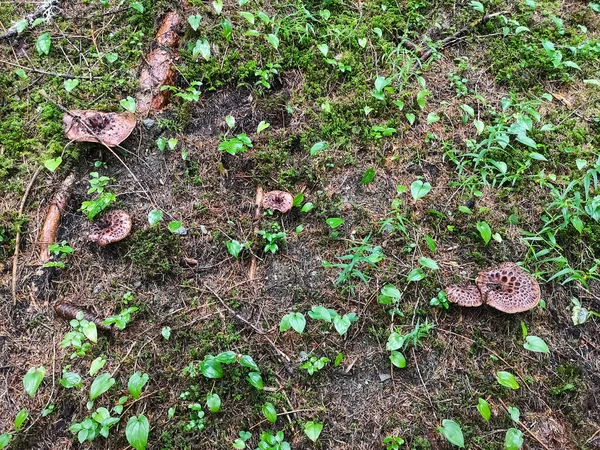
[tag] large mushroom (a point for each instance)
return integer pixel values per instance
(508, 288)
(465, 295)
(112, 227)
(95, 126)
(278, 201)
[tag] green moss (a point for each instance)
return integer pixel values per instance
(155, 252)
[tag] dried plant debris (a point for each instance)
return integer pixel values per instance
(114, 226)
(158, 70)
(50, 228)
(109, 129)
(508, 288)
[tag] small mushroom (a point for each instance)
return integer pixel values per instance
(278, 200)
(465, 295)
(95, 126)
(112, 227)
(509, 288)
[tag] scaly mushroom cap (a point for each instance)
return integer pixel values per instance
(465, 295)
(509, 288)
(112, 227)
(278, 200)
(96, 126)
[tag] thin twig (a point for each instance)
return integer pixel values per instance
(18, 237)
(256, 218)
(531, 433)
(43, 72)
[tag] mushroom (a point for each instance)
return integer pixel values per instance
(113, 227)
(95, 126)
(508, 288)
(278, 200)
(466, 295)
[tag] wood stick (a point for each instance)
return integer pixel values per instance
(18, 237)
(257, 209)
(50, 228)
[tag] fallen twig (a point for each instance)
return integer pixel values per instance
(18, 237)
(69, 311)
(43, 72)
(50, 228)
(257, 205)
(43, 9)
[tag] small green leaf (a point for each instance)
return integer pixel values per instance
(52, 164)
(319, 146)
(211, 368)
(341, 324)
(432, 118)
(362, 42)
(90, 331)
(255, 380)
(20, 418)
(194, 21)
(297, 321)
(202, 48)
(536, 344)
(171, 413)
(452, 432)
(228, 357)
(394, 342)
(484, 409)
(21, 26)
(411, 118)
(269, 412)
(313, 430)
(323, 48)
(111, 57)
(176, 227)
(479, 126)
(213, 402)
(100, 385)
(334, 222)
(155, 216)
(507, 379)
(368, 177)
(138, 7)
(247, 361)
(416, 274)
(166, 333)
(273, 40)
(137, 431)
(513, 439)
(485, 231)
(234, 248)
(136, 383)
(398, 359)
(307, 207)
(128, 104)
(96, 365)
(419, 189)
(429, 263)
(4, 440)
(32, 380)
(70, 380)
(262, 126)
(42, 44)
(320, 313)
(70, 84)
(514, 413)
(477, 6)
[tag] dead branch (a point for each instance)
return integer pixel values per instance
(18, 237)
(50, 228)
(47, 8)
(69, 312)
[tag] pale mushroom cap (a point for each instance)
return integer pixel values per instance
(113, 227)
(96, 126)
(465, 295)
(278, 200)
(509, 288)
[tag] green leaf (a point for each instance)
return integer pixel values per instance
(138, 7)
(262, 126)
(111, 57)
(218, 5)
(4, 440)
(255, 380)
(213, 402)
(248, 16)
(394, 342)
(202, 48)
(320, 313)
(513, 439)
(70, 380)
(429, 263)
(20, 418)
(21, 74)
(228, 357)
(323, 48)
(42, 44)
(247, 361)
(100, 385)
(479, 126)
(137, 431)
(234, 248)
(477, 6)
(484, 409)
(96, 365)
(70, 84)
(411, 118)
(334, 222)
(313, 430)
(398, 359)
(507, 379)
(269, 412)
(32, 380)
(419, 189)
(211, 368)
(416, 275)
(307, 207)
(362, 42)
(273, 40)
(155, 216)
(524, 139)
(536, 344)
(342, 324)
(52, 164)
(90, 331)
(128, 104)
(319, 146)
(537, 156)
(514, 413)
(136, 384)
(166, 333)
(452, 432)
(194, 21)
(432, 118)
(161, 143)
(21, 25)
(176, 227)
(485, 231)
(368, 177)
(297, 321)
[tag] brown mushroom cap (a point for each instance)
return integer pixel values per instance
(465, 295)
(509, 288)
(112, 227)
(95, 126)
(278, 200)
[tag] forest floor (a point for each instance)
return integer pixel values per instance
(415, 162)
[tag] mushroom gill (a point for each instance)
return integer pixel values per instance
(112, 227)
(278, 200)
